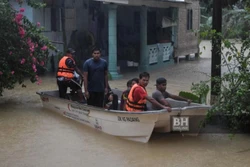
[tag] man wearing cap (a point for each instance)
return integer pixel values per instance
(65, 75)
(138, 96)
(161, 94)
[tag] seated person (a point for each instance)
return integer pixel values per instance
(111, 97)
(124, 95)
(138, 97)
(134, 81)
(161, 94)
(65, 75)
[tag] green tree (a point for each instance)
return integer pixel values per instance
(23, 48)
(233, 104)
(235, 17)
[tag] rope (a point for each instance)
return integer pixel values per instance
(76, 83)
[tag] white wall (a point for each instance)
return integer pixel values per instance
(28, 10)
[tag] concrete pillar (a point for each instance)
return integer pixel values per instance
(112, 36)
(143, 40)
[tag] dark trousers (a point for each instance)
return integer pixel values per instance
(63, 85)
(96, 99)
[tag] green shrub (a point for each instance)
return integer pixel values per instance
(190, 96)
(24, 50)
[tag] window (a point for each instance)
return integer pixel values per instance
(189, 19)
(56, 19)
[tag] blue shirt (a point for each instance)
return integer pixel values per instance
(96, 74)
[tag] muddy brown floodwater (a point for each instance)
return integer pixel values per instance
(31, 136)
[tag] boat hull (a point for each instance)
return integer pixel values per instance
(130, 126)
(195, 113)
(135, 126)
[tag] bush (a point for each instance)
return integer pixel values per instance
(190, 96)
(233, 102)
(23, 48)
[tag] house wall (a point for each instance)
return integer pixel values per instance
(28, 10)
(76, 16)
(187, 40)
(43, 16)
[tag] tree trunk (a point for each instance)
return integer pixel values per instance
(216, 50)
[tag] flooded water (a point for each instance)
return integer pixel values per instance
(31, 136)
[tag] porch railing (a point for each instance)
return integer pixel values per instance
(158, 53)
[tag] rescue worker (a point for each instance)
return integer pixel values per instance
(138, 96)
(65, 75)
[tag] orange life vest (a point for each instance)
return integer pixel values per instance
(132, 105)
(63, 70)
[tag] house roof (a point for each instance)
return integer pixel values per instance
(115, 1)
(150, 3)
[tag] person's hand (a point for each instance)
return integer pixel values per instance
(110, 97)
(86, 94)
(189, 101)
(168, 108)
(106, 91)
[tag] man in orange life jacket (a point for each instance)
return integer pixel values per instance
(138, 97)
(65, 75)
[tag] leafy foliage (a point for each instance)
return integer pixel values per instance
(201, 90)
(235, 18)
(234, 102)
(23, 48)
(190, 96)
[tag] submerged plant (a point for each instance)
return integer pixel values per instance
(201, 90)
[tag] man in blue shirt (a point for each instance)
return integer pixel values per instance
(95, 71)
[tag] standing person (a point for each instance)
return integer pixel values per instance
(95, 71)
(161, 94)
(65, 75)
(138, 96)
(124, 95)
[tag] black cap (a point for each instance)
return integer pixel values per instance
(70, 50)
(161, 81)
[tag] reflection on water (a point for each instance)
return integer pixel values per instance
(32, 136)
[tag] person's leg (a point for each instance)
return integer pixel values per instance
(99, 99)
(62, 89)
(78, 89)
(96, 99)
(91, 99)
(106, 100)
(80, 94)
